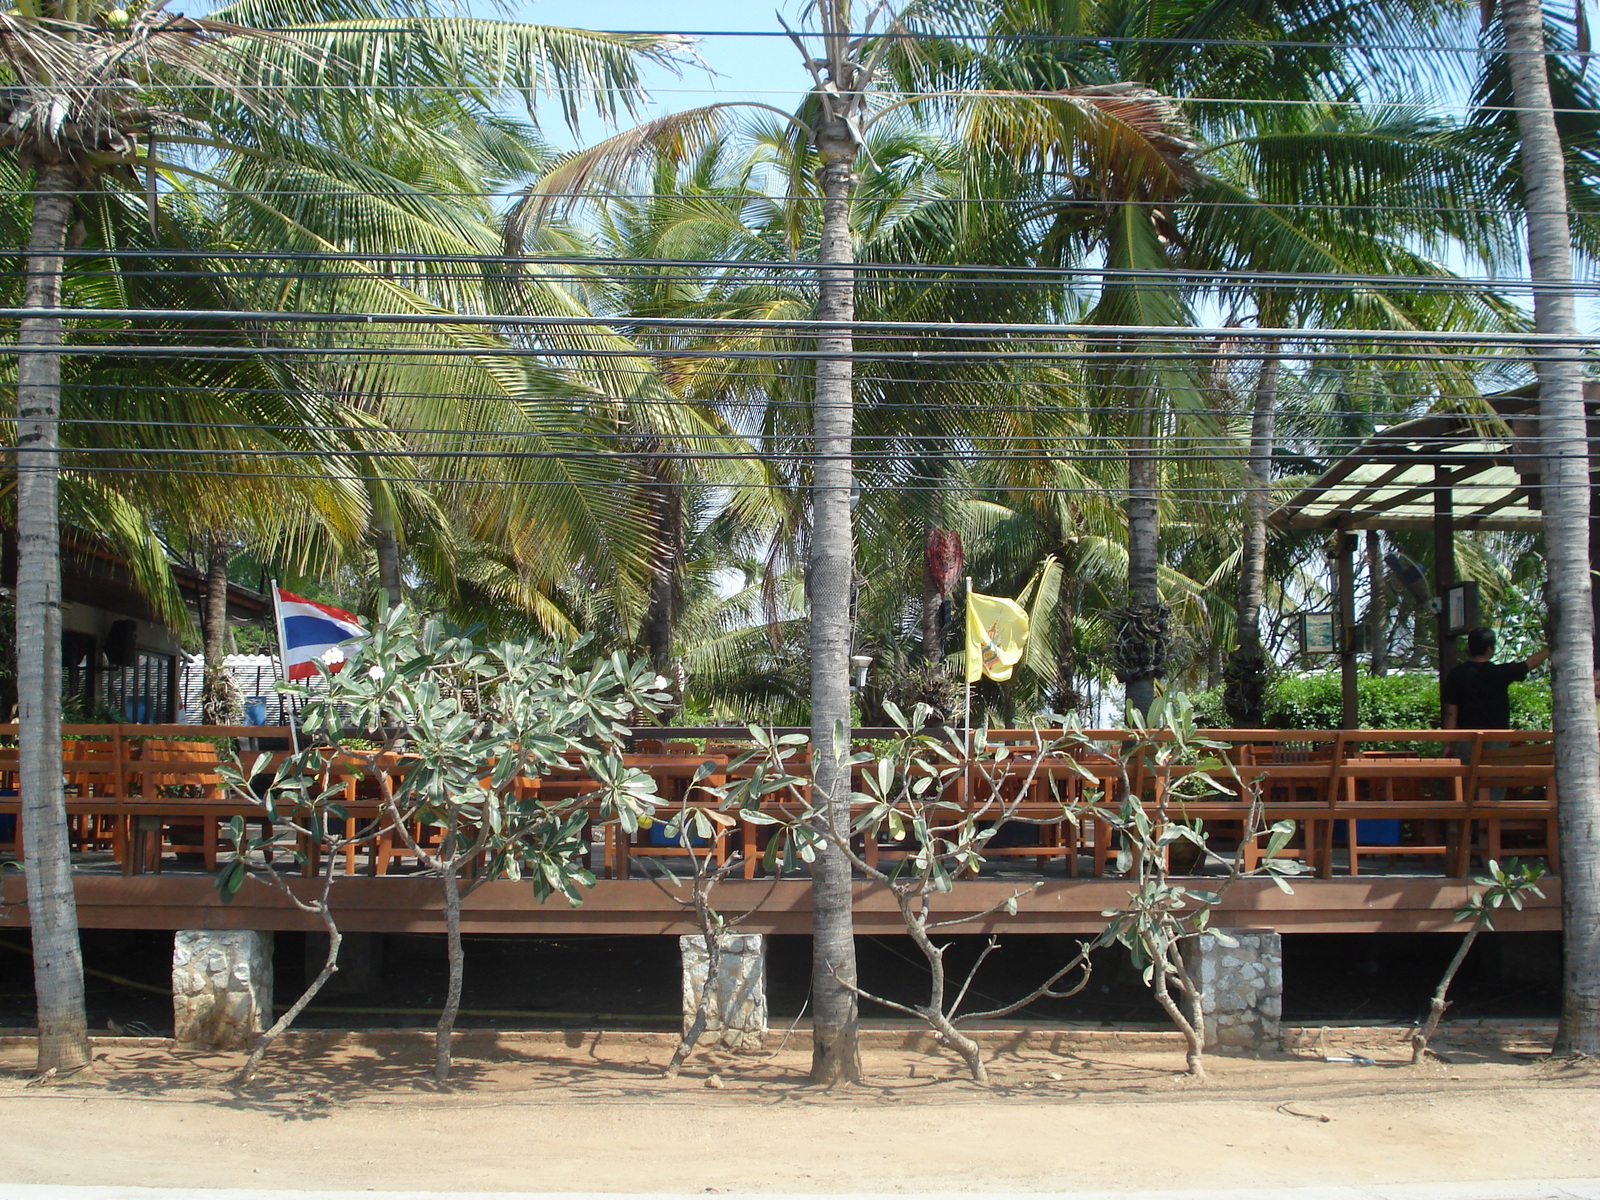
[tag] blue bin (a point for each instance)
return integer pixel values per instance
(657, 836)
(1379, 831)
(1373, 831)
(255, 710)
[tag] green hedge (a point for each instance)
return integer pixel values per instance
(1399, 701)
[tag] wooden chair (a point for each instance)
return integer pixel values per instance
(93, 771)
(1295, 784)
(1383, 788)
(10, 803)
(180, 804)
(675, 783)
(754, 838)
(1101, 844)
(1511, 789)
(1035, 791)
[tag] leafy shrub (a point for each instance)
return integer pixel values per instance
(1313, 701)
(1531, 704)
(1403, 700)
(1209, 710)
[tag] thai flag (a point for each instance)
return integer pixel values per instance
(311, 633)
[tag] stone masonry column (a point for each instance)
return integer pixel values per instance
(1240, 975)
(221, 987)
(736, 1016)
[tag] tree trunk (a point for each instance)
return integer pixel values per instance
(1248, 666)
(52, 906)
(456, 958)
(387, 545)
(330, 965)
(711, 936)
(932, 618)
(835, 1056)
(1144, 529)
(1068, 698)
(665, 507)
(1377, 606)
(1436, 1006)
(1167, 968)
(1565, 506)
(218, 704)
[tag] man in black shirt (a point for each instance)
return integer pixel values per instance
(1474, 695)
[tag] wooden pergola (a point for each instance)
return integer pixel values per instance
(1445, 472)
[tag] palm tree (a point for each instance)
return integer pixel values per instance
(89, 87)
(1396, 185)
(1121, 138)
(1565, 488)
(1284, 50)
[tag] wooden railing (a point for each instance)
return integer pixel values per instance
(138, 790)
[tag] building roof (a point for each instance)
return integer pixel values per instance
(1488, 461)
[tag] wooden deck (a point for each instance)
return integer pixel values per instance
(1419, 800)
(1368, 904)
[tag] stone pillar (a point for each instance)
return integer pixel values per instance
(221, 987)
(1240, 975)
(736, 1014)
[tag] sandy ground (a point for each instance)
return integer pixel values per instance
(593, 1114)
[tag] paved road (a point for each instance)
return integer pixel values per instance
(1543, 1189)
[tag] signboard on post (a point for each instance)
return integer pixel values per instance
(1460, 609)
(1318, 633)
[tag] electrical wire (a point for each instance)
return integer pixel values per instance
(954, 276)
(1084, 39)
(810, 326)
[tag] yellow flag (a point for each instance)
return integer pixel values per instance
(997, 634)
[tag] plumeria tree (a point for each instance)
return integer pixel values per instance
(452, 737)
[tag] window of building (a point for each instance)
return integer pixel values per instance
(143, 693)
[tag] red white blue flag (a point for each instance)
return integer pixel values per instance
(311, 633)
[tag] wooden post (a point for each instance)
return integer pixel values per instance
(1344, 558)
(1444, 564)
(1377, 608)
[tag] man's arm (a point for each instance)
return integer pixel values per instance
(1449, 715)
(1538, 660)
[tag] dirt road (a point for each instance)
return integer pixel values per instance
(592, 1114)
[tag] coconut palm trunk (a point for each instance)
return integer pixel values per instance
(1247, 669)
(664, 511)
(387, 546)
(217, 702)
(1144, 534)
(52, 906)
(1565, 505)
(835, 1057)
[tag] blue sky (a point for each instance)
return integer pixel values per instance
(742, 68)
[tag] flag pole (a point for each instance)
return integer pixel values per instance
(966, 674)
(283, 666)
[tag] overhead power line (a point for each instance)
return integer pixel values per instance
(1038, 38)
(599, 270)
(807, 327)
(351, 356)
